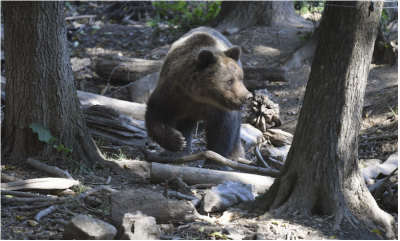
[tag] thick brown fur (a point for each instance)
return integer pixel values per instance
(201, 79)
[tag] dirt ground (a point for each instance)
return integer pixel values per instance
(261, 46)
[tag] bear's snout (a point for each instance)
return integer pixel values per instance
(248, 97)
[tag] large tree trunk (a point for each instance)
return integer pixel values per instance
(321, 174)
(40, 86)
(243, 14)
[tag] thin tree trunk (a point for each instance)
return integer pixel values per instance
(40, 86)
(321, 174)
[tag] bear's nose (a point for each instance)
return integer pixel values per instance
(248, 97)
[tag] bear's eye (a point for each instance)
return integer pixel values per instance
(230, 81)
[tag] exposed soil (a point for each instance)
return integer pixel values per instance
(262, 46)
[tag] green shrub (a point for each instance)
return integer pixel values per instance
(181, 16)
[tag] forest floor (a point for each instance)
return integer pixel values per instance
(261, 46)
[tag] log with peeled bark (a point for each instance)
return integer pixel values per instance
(191, 176)
(134, 110)
(40, 183)
(111, 66)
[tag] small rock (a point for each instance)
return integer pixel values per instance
(83, 227)
(231, 31)
(227, 194)
(250, 136)
(144, 227)
(279, 153)
(32, 223)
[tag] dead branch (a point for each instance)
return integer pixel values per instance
(94, 190)
(79, 17)
(8, 200)
(52, 170)
(191, 176)
(40, 183)
(22, 194)
(213, 156)
(7, 178)
(245, 161)
(195, 201)
(389, 136)
(260, 158)
(385, 186)
(24, 208)
(44, 212)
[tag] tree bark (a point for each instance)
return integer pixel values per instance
(243, 14)
(321, 174)
(40, 86)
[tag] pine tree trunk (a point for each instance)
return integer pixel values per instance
(245, 14)
(321, 174)
(40, 86)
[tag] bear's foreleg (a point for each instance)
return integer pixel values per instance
(222, 134)
(161, 130)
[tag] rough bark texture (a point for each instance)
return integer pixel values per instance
(243, 14)
(321, 174)
(40, 86)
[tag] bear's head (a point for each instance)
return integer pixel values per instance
(221, 79)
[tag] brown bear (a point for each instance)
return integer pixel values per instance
(201, 79)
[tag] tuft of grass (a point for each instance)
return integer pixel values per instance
(121, 154)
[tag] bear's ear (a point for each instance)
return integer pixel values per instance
(234, 53)
(205, 58)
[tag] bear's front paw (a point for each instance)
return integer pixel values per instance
(176, 142)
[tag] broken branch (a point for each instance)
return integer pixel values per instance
(213, 156)
(55, 171)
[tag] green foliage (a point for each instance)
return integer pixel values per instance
(181, 16)
(79, 168)
(303, 7)
(43, 132)
(120, 155)
(306, 36)
(384, 18)
(44, 135)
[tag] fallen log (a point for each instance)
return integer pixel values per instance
(55, 171)
(111, 66)
(115, 67)
(40, 183)
(213, 156)
(257, 77)
(191, 176)
(134, 110)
